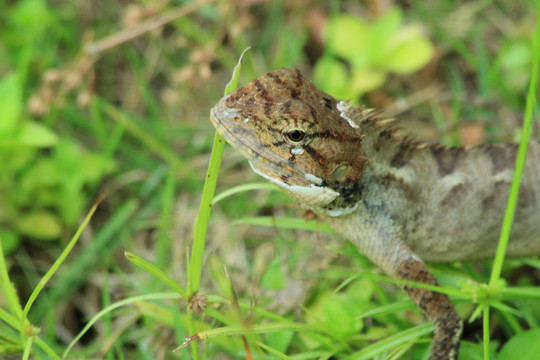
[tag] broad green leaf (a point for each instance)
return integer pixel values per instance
(347, 36)
(279, 341)
(331, 76)
(31, 15)
(35, 135)
(524, 346)
(40, 225)
(341, 312)
(383, 30)
(411, 52)
(9, 240)
(366, 79)
(273, 278)
(10, 105)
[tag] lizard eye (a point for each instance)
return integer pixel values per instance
(296, 135)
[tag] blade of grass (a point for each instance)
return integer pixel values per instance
(201, 225)
(390, 342)
(163, 239)
(27, 348)
(106, 239)
(48, 275)
(156, 272)
(520, 161)
(131, 300)
(242, 188)
(7, 287)
(516, 181)
(287, 223)
(485, 325)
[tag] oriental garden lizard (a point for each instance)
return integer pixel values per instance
(401, 201)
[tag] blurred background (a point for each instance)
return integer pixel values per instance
(113, 97)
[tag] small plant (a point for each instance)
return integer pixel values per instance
(360, 55)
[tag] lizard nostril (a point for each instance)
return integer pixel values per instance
(296, 135)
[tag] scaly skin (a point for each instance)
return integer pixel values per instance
(400, 201)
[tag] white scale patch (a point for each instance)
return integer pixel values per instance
(314, 179)
(297, 151)
(342, 211)
(342, 106)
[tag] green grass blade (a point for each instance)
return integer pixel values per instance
(7, 287)
(390, 342)
(287, 223)
(197, 252)
(485, 325)
(131, 300)
(242, 188)
(104, 240)
(520, 161)
(156, 272)
(48, 275)
(27, 348)
(201, 224)
(45, 347)
(516, 181)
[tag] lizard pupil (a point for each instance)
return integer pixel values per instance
(296, 135)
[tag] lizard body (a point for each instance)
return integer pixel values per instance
(400, 201)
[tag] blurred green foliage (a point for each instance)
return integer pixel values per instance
(44, 178)
(131, 120)
(360, 54)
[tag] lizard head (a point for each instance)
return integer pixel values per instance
(295, 136)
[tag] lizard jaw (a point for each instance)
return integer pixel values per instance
(309, 196)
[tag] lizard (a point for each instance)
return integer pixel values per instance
(401, 201)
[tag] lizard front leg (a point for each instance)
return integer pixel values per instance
(379, 240)
(437, 307)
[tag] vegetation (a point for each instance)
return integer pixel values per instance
(104, 149)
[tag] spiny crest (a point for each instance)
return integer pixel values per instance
(381, 133)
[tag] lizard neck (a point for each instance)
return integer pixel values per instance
(388, 153)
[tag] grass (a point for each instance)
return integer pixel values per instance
(132, 122)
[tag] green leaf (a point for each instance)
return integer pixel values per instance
(31, 15)
(273, 278)
(40, 225)
(341, 312)
(331, 76)
(9, 240)
(10, 105)
(410, 53)
(35, 135)
(366, 79)
(524, 346)
(384, 29)
(347, 36)
(279, 341)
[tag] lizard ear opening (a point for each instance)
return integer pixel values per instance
(340, 171)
